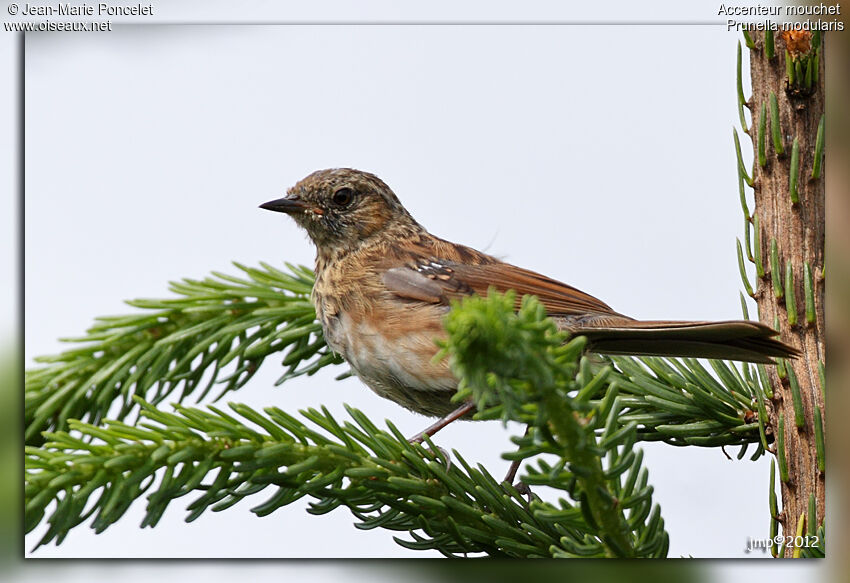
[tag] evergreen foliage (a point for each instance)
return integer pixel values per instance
(180, 343)
(585, 415)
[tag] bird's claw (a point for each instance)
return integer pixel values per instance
(524, 490)
(419, 439)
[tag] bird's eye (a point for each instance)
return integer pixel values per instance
(343, 197)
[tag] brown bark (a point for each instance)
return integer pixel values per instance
(798, 229)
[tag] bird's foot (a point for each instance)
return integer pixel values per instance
(524, 490)
(519, 486)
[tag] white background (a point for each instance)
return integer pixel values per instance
(599, 155)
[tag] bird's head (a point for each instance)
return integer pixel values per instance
(341, 207)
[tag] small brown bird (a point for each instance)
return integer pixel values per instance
(384, 284)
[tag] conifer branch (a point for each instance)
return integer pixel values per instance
(381, 477)
(519, 363)
(219, 330)
(587, 411)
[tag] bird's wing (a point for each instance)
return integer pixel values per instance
(455, 271)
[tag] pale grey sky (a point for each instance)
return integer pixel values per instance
(599, 155)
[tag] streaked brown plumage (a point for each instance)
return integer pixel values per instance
(383, 285)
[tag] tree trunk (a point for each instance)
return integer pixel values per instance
(788, 249)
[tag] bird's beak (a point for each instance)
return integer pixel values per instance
(289, 205)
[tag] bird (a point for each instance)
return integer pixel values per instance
(384, 284)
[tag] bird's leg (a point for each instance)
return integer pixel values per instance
(509, 478)
(453, 416)
(512, 471)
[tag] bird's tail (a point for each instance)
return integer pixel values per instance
(729, 340)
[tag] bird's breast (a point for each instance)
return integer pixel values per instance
(391, 346)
